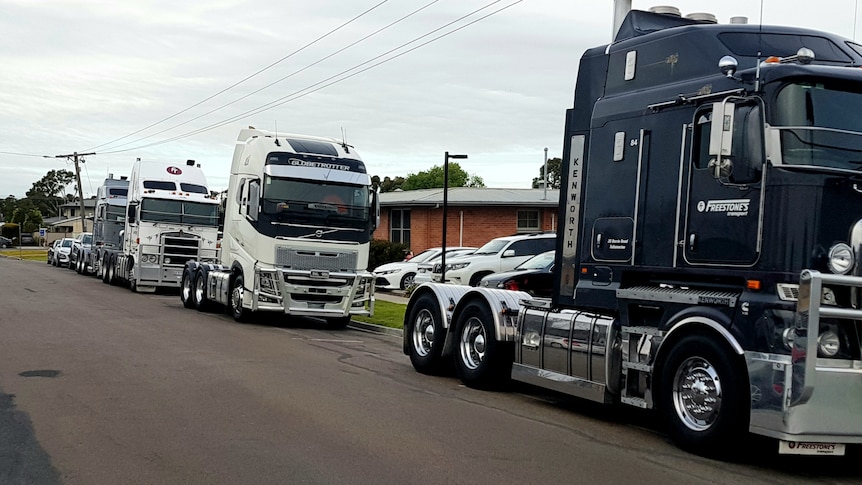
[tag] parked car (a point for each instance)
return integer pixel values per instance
(399, 274)
(61, 252)
(79, 244)
(535, 276)
(52, 248)
(5, 242)
(425, 270)
(497, 255)
(27, 240)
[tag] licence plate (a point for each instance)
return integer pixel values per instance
(810, 448)
(178, 273)
(319, 274)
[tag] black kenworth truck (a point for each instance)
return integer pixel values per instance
(708, 253)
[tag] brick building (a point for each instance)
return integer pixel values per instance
(476, 215)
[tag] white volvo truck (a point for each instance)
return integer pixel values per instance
(298, 222)
(170, 218)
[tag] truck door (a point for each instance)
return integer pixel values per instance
(722, 218)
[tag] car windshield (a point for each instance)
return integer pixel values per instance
(492, 247)
(539, 261)
(67, 243)
(87, 239)
(426, 255)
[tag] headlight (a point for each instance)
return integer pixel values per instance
(457, 266)
(388, 271)
(828, 344)
(841, 259)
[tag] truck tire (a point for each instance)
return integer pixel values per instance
(187, 288)
(703, 395)
(407, 281)
(79, 265)
(106, 261)
(338, 323)
(237, 288)
(199, 295)
(111, 270)
(480, 360)
(425, 335)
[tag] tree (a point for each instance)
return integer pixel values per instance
(49, 192)
(555, 166)
(433, 178)
(29, 218)
(387, 184)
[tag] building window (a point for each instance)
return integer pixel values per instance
(399, 226)
(528, 221)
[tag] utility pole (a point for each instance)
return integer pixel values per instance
(74, 156)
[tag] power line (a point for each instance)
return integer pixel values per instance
(323, 84)
(244, 79)
(282, 79)
(21, 154)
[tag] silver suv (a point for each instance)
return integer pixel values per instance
(497, 255)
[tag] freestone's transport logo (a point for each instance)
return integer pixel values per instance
(730, 207)
(174, 170)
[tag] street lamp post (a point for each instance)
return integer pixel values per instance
(446, 209)
(546, 175)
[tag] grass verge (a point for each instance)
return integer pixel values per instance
(28, 254)
(386, 313)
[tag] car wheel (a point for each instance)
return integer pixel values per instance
(701, 397)
(407, 280)
(186, 288)
(476, 278)
(237, 288)
(481, 361)
(425, 335)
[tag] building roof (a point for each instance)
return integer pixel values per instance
(88, 204)
(472, 196)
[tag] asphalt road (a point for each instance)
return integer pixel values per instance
(102, 386)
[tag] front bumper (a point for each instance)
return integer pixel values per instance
(314, 294)
(813, 398)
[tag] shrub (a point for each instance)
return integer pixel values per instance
(383, 252)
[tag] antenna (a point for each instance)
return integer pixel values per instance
(276, 134)
(759, 48)
(855, 19)
(344, 140)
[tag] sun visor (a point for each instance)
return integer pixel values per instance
(638, 23)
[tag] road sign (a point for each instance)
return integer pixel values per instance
(42, 232)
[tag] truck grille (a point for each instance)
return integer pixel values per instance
(180, 248)
(305, 260)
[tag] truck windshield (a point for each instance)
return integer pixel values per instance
(316, 203)
(179, 212)
(819, 125)
(116, 213)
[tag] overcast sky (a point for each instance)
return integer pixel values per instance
(77, 75)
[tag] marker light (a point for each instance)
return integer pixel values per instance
(828, 344)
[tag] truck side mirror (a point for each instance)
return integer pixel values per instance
(253, 199)
(375, 207)
(721, 138)
(131, 212)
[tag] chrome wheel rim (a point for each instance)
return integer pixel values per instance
(408, 281)
(236, 299)
(697, 394)
(187, 287)
(423, 333)
(199, 289)
(472, 343)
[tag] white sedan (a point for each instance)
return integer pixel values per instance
(399, 275)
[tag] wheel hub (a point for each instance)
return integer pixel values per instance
(423, 333)
(697, 394)
(472, 343)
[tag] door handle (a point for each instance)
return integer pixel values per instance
(599, 240)
(691, 240)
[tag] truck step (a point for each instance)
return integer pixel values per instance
(637, 402)
(678, 295)
(637, 366)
